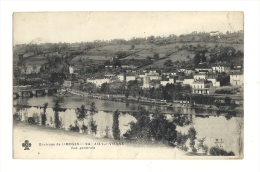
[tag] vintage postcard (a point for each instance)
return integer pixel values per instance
(128, 85)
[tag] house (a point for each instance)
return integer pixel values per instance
(214, 81)
(29, 69)
(204, 69)
(121, 77)
(237, 78)
(146, 82)
(200, 76)
(130, 78)
(220, 69)
(167, 81)
(109, 75)
(153, 75)
(202, 86)
(99, 82)
(67, 84)
(189, 72)
(71, 69)
(215, 33)
(187, 81)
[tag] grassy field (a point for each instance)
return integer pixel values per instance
(85, 57)
(177, 56)
(139, 52)
(37, 59)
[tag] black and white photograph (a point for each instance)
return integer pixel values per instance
(128, 85)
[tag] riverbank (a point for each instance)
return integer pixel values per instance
(49, 142)
(120, 98)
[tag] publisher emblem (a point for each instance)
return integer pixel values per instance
(26, 145)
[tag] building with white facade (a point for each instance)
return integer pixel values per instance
(29, 69)
(214, 81)
(146, 82)
(188, 81)
(202, 87)
(204, 69)
(220, 69)
(121, 77)
(237, 78)
(167, 81)
(71, 69)
(130, 78)
(200, 76)
(99, 82)
(153, 75)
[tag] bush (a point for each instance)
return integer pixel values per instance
(216, 151)
(157, 128)
(84, 127)
(194, 150)
(75, 127)
(31, 120)
(17, 117)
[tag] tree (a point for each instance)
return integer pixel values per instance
(181, 141)
(56, 110)
(81, 114)
(120, 54)
(44, 118)
(202, 146)
(156, 56)
(105, 88)
(196, 59)
(192, 136)
(115, 127)
(89, 87)
(116, 62)
(203, 57)
(167, 63)
(151, 39)
(132, 46)
(162, 130)
(21, 107)
(92, 123)
(57, 78)
(140, 129)
(148, 57)
(227, 100)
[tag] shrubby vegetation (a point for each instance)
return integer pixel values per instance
(155, 128)
(216, 151)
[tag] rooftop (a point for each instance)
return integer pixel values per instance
(201, 81)
(236, 73)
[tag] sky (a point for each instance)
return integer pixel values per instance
(88, 26)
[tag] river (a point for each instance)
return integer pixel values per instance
(208, 124)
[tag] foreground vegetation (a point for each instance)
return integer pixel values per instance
(155, 128)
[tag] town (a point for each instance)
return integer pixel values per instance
(196, 68)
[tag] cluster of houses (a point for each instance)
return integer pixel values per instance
(30, 69)
(201, 80)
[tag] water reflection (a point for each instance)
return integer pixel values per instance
(210, 124)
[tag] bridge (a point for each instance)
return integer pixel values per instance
(20, 91)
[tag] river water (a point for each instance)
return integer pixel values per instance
(208, 124)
